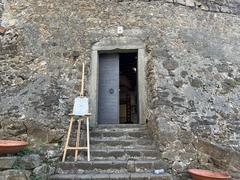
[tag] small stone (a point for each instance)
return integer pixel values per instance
(184, 74)
(182, 2)
(225, 9)
(190, 3)
(170, 64)
(41, 171)
(196, 82)
(2, 30)
(7, 162)
(55, 136)
(163, 94)
(169, 1)
(51, 170)
(203, 158)
(52, 154)
(178, 84)
(30, 161)
(169, 155)
(177, 99)
(38, 133)
(131, 166)
(179, 166)
(205, 8)
(223, 68)
(75, 54)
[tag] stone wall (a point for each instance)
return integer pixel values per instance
(193, 68)
(219, 6)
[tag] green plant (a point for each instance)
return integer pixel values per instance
(20, 154)
(35, 177)
(231, 82)
(16, 164)
(23, 152)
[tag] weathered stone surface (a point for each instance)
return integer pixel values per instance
(30, 161)
(14, 175)
(51, 154)
(190, 3)
(7, 162)
(182, 2)
(196, 82)
(41, 133)
(41, 172)
(170, 64)
(178, 83)
(2, 30)
(192, 67)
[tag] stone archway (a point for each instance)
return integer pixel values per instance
(118, 44)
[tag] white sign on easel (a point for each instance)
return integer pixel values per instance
(80, 107)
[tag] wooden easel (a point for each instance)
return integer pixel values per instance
(80, 119)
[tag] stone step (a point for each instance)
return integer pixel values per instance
(119, 134)
(120, 126)
(110, 166)
(140, 129)
(117, 154)
(124, 151)
(124, 154)
(113, 138)
(113, 176)
(122, 143)
(123, 130)
(100, 147)
(116, 136)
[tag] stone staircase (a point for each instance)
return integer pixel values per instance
(117, 152)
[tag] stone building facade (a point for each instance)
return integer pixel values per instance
(192, 71)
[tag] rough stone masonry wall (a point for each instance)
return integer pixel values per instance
(193, 71)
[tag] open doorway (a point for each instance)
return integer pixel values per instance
(118, 88)
(128, 88)
(116, 45)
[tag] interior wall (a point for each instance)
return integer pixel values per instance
(128, 88)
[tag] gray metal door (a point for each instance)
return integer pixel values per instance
(108, 98)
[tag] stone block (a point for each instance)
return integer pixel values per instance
(190, 3)
(7, 162)
(119, 164)
(120, 176)
(30, 161)
(182, 2)
(178, 83)
(38, 133)
(99, 176)
(170, 64)
(104, 165)
(219, 155)
(170, 1)
(195, 82)
(131, 166)
(14, 175)
(2, 30)
(41, 171)
(55, 136)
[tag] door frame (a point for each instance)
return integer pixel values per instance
(117, 45)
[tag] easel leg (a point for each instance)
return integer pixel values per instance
(88, 140)
(78, 138)
(68, 137)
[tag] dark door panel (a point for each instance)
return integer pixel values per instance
(108, 99)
